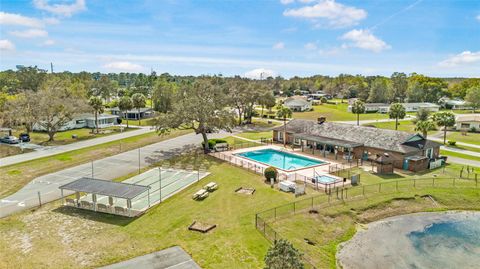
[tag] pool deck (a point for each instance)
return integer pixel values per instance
(291, 175)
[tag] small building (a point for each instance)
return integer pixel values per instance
(468, 122)
(383, 164)
(385, 108)
(298, 104)
(347, 141)
(454, 104)
(134, 114)
(85, 121)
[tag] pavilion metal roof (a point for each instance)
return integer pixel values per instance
(105, 187)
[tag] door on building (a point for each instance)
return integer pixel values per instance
(405, 164)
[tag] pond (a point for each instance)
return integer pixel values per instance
(422, 240)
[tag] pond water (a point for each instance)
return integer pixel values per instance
(423, 240)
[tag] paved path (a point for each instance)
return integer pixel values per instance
(457, 143)
(462, 151)
(463, 161)
(170, 258)
(49, 151)
(108, 168)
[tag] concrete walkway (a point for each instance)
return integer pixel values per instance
(108, 168)
(49, 151)
(463, 161)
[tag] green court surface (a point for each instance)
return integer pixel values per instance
(163, 183)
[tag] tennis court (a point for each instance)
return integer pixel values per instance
(162, 183)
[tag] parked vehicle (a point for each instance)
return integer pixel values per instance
(24, 137)
(9, 139)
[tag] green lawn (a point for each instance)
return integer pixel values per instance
(144, 122)
(459, 155)
(336, 112)
(7, 150)
(16, 176)
(65, 137)
(470, 138)
(404, 125)
(67, 238)
(256, 135)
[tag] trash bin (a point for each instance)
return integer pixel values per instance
(74, 136)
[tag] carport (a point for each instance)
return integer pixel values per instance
(101, 195)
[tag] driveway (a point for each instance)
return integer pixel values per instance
(52, 150)
(108, 168)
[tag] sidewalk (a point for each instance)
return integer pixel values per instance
(108, 168)
(49, 151)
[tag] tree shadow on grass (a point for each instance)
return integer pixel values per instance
(95, 216)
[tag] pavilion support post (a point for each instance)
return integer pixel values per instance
(148, 193)
(94, 201)
(324, 148)
(110, 200)
(77, 196)
(63, 198)
(129, 207)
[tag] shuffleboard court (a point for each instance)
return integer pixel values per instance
(163, 183)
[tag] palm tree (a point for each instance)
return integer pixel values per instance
(97, 106)
(424, 126)
(139, 101)
(397, 111)
(358, 108)
(124, 105)
(445, 119)
(284, 113)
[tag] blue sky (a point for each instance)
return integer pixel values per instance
(244, 37)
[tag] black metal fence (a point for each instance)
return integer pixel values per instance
(342, 195)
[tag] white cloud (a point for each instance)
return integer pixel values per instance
(6, 45)
(364, 39)
(48, 42)
(310, 46)
(278, 46)
(464, 58)
(336, 14)
(478, 17)
(124, 66)
(17, 19)
(260, 73)
(65, 10)
(286, 2)
(51, 21)
(30, 33)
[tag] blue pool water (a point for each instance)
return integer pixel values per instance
(280, 159)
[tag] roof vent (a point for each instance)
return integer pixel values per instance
(321, 120)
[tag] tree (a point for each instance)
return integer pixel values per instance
(31, 77)
(473, 97)
(124, 105)
(22, 110)
(396, 111)
(445, 119)
(425, 89)
(424, 126)
(163, 94)
(358, 108)
(422, 114)
(267, 100)
(97, 105)
(399, 87)
(379, 90)
(200, 106)
(139, 101)
(282, 255)
(56, 105)
(284, 113)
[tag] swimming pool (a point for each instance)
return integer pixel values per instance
(279, 159)
(324, 179)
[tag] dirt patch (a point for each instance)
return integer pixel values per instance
(201, 227)
(395, 207)
(248, 191)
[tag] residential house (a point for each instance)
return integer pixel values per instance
(298, 103)
(410, 152)
(409, 107)
(454, 104)
(85, 121)
(134, 114)
(468, 122)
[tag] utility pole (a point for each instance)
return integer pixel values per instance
(51, 67)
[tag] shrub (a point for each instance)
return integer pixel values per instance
(473, 129)
(271, 172)
(283, 255)
(323, 100)
(214, 141)
(452, 143)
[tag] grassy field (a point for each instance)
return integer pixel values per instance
(339, 223)
(57, 237)
(16, 176)
(7, 150)
(470, 138)
(65, 137)
(336, 112)
(404, 125)
(256, 135)
(459, 155)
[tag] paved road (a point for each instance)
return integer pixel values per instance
(463, 161)
(170, 258)
(108, 168)
(49, 151)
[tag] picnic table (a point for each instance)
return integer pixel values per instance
(201, 194)
(211, 186)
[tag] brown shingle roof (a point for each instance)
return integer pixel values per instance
(368, 136)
